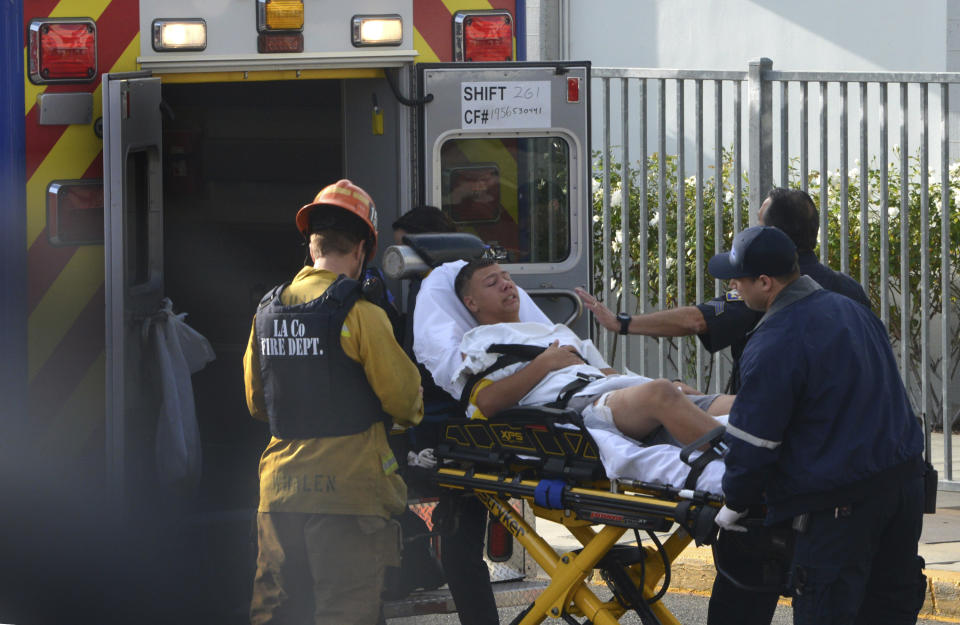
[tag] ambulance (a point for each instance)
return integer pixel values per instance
(160, 154)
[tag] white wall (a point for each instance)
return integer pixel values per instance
(817, 35)
(838, 35)
(533, 29)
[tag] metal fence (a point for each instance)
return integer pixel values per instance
(884, 221)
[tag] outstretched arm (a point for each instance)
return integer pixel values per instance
(684, 321)
(508, 391)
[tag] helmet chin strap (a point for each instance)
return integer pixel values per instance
(363, 264)
(307, 257)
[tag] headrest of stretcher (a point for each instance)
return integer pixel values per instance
(436, 249)
(423, 252)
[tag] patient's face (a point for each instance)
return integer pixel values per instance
(491, 296)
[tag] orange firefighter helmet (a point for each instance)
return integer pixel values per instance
(345, 195)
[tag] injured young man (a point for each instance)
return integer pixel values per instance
(643, 409)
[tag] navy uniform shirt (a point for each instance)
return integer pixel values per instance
(729, 320)
(822, 417)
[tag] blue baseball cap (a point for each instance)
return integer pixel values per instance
(760, 250)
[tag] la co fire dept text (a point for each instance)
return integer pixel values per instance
(289, 341)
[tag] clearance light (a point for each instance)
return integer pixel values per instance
(268, 43)
(187, 34)
(75, 212)
(483, 36)
(499, 542)
(573, 89)
(274, 15)
(62, 50)
(377, 30)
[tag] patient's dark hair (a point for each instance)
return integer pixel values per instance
(467, 271)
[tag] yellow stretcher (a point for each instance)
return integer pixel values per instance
(536, 455)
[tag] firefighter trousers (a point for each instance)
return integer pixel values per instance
(321, 568)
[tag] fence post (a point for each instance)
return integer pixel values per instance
(760, 134)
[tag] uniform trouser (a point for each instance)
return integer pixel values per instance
(730, 605)
(467, 574)
(321, 568)
(859, 564)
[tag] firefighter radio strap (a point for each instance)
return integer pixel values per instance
(311, 388)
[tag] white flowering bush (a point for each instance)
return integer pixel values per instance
(652, 224)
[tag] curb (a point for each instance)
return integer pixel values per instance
(693, 573)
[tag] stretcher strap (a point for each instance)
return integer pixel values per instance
(549, 494)
(716, 451)
(568, 391)
(697, 466)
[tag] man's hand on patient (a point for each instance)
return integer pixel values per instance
(727, 519)
(557, 357)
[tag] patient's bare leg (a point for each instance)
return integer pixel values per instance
(721, 405)
(638, 410)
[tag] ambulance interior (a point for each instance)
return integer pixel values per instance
(238, 160)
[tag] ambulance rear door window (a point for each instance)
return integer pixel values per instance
(512, 192)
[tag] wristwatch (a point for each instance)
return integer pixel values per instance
(624, 320)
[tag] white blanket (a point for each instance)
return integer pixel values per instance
(442, 332)
(624, 457)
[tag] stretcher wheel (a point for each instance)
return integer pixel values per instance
(614, 571)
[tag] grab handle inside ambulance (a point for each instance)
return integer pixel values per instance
(577, 311)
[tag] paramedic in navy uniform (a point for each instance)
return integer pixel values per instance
(726, 321)
(822, 430)
(323, 367)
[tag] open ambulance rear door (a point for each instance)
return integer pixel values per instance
(133, 246)
(505, 153)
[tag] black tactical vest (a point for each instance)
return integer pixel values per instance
(311, 388)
